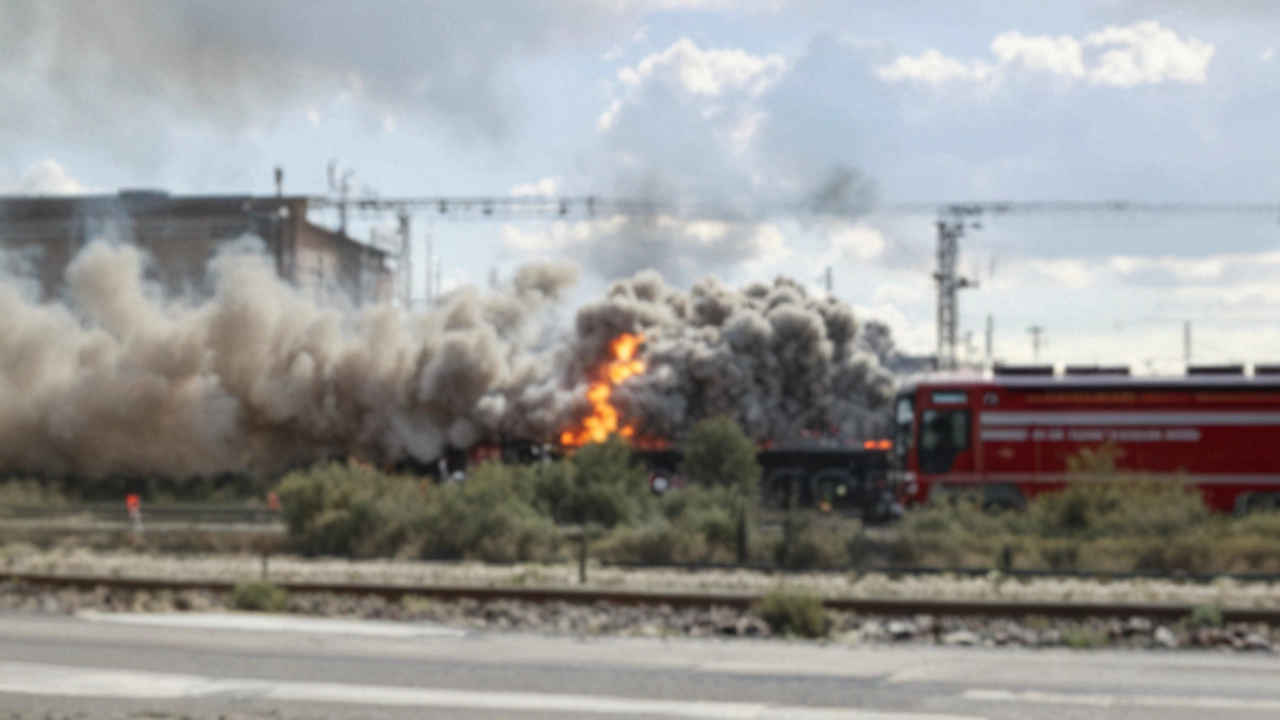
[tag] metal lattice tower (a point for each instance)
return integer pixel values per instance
(950, 230)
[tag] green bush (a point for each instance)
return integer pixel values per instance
(349, 509)
(489, 516)
(718, 453)
(605, 486)
(793, 612)
(260, 596)
(1119, 508)
(338, 509)
(808, 545)
(14, 491)
(1205, 616)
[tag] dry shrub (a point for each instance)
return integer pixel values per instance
(794, 612)
(260, 596)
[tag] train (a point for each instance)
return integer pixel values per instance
(827, 475)
(1017, 432)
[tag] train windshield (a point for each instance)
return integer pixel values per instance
(904, 430)
(944, 434)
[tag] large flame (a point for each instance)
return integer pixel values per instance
(604, 419)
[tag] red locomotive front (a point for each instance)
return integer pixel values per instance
(1012, 436)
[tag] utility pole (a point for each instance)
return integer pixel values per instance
(1186, 342)
(430, 291)
(404, 268)
(950, 230)
(438, 283)
(829, 281)
(1036, 331)
(991, 331)
(340, 185)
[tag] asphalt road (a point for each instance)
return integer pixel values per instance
(264, 666)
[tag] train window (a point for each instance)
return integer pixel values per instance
(944, 434)
(950, 397)
(903, 429)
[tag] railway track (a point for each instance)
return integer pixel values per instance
(870, 606)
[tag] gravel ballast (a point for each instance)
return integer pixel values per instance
(656, 620)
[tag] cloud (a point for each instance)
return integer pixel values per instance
(711, 73)
(1220, 270)
(1145, 53)
(45, 177)
(123, 76)
(1070, 273)
(682, 250)
(545, 187)
(933, 68)
(851, 243)
(694, 123)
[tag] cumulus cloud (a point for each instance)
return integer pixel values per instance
(692, 127)
(851, 243)
(45, 177)
(544, 187)
(931, 67)
(1146, 53)
(709, 73)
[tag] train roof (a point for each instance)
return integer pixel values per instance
(1086, 381)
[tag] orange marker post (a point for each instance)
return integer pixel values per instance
(133, 504)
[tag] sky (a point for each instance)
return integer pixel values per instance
(806, 124)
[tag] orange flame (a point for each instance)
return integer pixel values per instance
(604, 420)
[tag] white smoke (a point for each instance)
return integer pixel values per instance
(119, 380)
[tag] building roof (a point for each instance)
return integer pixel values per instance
(152, 203)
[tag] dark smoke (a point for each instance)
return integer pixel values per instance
(773, 357)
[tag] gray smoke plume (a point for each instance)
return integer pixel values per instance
(255, 377)
(773, 357)
(120, 380)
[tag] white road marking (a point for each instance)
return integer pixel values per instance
(276, 623)
(1208, 702)
(62, 681)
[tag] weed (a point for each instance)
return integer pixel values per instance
(794, 612)
(1084, 638)
(260, 596)
(1205, 615)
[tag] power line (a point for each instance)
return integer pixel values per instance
(503, 207)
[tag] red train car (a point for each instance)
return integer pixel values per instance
(1012, 435)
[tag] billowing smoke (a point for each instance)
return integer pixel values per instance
(777, 359)
(119, 380)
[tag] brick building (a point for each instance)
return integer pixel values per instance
(181, 233)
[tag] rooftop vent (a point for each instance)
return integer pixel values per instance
(1024, 370)
(1096, 370)
(1215, 369)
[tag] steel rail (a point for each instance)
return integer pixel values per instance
(589, 596)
